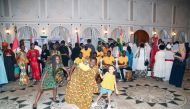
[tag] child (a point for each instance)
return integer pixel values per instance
(107, 86)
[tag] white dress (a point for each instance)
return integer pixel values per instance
(159, 66)
(141, 59)
(169, 57)
(134, 50)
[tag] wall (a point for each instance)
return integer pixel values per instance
(130, 15)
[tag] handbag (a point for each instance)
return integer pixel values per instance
(16, 71)
(146, 62)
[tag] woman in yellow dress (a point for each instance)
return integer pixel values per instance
(82, 85)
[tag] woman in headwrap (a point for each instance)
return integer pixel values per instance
(33, 55)
(9, 61)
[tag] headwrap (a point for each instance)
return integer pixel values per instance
(4, 44)
(168, 46)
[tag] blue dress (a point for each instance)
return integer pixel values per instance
(130, 59)
(177, 73)
(3, 75)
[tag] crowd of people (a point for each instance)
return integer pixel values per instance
(55, 63)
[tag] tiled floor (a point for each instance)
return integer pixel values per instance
(139, 94)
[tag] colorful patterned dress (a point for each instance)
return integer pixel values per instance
(80, 88)
(48, 79)
(22, 63)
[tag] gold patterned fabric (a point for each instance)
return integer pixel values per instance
(80, 88)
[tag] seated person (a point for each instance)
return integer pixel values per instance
(100, 53)
(108, 60)
(86, 52)
(122, 63)
(79, 59)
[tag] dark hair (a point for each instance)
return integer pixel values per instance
(88, 40)
(142, 45)
(76, 44)
(35, 43)
(162, 47)
(31, 44)
(129, 49)
(63, 42)
(109, 51)
(11, 44)
(21, 41)
(114, 69)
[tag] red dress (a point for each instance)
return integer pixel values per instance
(153, 51)
(34, 64)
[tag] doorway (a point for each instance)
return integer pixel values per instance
(141, 36)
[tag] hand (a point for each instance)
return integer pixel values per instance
(68, 78)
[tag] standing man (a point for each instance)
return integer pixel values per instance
(89, 45)
(64, 53)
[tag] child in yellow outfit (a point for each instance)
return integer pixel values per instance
(108, 85)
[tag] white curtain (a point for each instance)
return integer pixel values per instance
(91, 33)
(60, 33)
(115, 34)
(165, 36)
(182, 37)
(25, 32)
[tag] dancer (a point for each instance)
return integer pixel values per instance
(48, 78)
(82, 85)
(108, 85)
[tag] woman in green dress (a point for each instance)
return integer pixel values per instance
(51, 78)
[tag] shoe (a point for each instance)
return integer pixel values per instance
(94, 104)
(34, 106)
(120, 80)
(109, 107)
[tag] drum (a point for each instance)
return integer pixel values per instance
(59, 75)
(128, 75)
